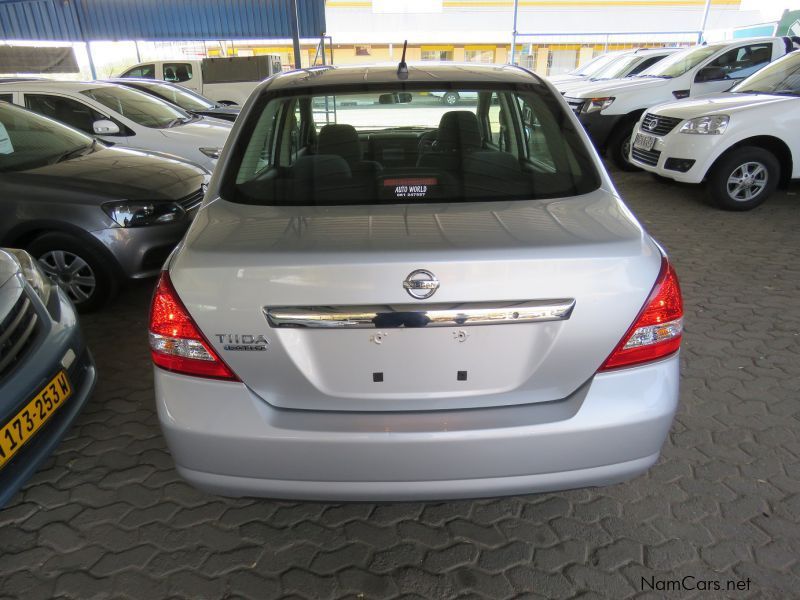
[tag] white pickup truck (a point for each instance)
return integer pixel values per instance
(609, 110)
(225, 80)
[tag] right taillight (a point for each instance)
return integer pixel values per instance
(176, 343)
(657, 330)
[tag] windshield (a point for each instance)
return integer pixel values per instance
(138, 106)
(677, 64)
(175, 94)
(781, 77)
(392, 147)
(617, 68)
(28, 140)
(594, 65)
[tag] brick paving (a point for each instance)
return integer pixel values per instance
(108, 516)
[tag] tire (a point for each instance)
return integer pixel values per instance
(756, 169)
(619, 147)
(450, 99)
(80, 270)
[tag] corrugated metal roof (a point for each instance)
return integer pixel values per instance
(79, 20)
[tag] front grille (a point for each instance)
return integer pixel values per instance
(191, 201)
(648, 157)
(658, 125)
(17, 333)
(576, 104)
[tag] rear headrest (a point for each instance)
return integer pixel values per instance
(459, 129)
(322, 167)
(341, 140)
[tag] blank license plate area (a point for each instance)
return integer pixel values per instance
(418, 363)
(644, 142)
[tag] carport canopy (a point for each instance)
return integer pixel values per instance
(158, 20)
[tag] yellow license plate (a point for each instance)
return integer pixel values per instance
(24, 425)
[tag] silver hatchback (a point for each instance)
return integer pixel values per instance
(390, 299)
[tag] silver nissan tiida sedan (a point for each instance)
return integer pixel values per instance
(384, 298)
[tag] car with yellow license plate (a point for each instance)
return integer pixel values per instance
(46, 371)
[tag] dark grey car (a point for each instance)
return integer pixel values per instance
(92, 215)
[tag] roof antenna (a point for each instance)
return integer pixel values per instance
(402, 68)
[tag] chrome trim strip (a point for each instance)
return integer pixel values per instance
(414, 315)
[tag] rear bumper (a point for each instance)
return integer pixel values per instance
(226, 440)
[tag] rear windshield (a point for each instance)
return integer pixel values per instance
(400, 146)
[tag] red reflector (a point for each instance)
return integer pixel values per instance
(658, 328)
(176, 343)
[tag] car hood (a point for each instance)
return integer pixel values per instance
(725, 102)
(116, 173)
(612, 87)
(204, 131)
(566, 78)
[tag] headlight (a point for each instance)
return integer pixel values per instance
(710, 125)
(211, 152)
(138, 214)
(595, 104)
(32, 273)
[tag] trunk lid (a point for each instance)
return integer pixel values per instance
(238, 261)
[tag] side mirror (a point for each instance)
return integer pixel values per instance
(105, 127)
(710, 74)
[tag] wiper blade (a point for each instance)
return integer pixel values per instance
(178, 121)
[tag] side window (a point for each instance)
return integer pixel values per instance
(536, 141)
(143, 71)
(66, 110)
(645, 64)
(739, 63)
(6, 98)
(177, 72)
(260, 150)
(498, 127)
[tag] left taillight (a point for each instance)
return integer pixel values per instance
(657, 330)
(176, 343)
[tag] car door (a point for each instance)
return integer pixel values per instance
(725, 70)
(72, 112)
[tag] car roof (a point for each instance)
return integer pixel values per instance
(125, 80)
(425, 72)
(649, 51)
(54, 84)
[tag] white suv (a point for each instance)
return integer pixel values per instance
(609, 110)
(743, 142)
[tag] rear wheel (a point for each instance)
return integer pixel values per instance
(450, 98)
(744, 178)
(80, 270)
(619, 147)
